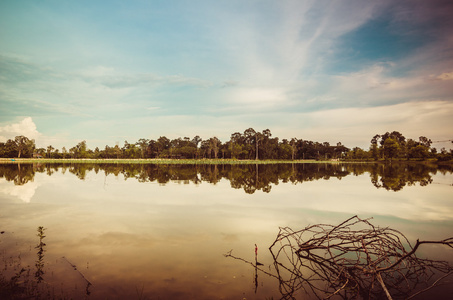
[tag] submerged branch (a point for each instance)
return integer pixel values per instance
(354, 259)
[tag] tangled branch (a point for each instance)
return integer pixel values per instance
(352, 259)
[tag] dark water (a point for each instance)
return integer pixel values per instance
(133, 231)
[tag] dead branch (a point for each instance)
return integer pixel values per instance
(354, 259)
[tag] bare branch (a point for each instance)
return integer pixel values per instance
(354, 259)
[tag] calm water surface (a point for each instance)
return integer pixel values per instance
(160, 232)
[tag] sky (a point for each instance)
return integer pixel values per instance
(329, 71)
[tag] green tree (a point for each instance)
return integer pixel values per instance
(258, 138)
(391, 148)
(163, 146)
(64, 152)
(9, 149)
(236, 145)
(143, 145)
(215, 145)
(24, 146)
(293, 148)
(420, 152)
(49, 151)
(285, 150)
(82, 149)
(425, 141)
(374, 150)
(130, 151)
(249, 141)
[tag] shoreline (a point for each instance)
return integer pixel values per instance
(157, 161)
(195, 161)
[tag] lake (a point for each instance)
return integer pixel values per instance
(146, 231)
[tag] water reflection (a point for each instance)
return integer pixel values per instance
(159, 231)
(250, 178)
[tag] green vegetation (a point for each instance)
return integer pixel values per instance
(20, 280)
(23, 281)
(157, 161)
(249, 146)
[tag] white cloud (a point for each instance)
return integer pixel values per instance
(26, 127)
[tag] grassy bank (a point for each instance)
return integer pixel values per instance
(198, 161)
(156, 161)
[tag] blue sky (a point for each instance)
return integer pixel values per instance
(110, 71)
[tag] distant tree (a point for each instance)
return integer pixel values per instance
(391, 148)
(236, 145)
(268, 146)
(73, 152)
(117, 151)
(205, 148)
(339, 150)
(215, 144)
(24, 145)
(258, 138)
(196, 140)
(97, 152)
(9, 149)
(293, 148)
(425, 141)
(130, 150)
(285, 150)
(374, 150)
(152, 148)
(163, 146)
(249, 141)
(79, 150)
(64, 152)
(420, 152)
(143, 145)
(49, 151)
(395, 135)
(56, 154)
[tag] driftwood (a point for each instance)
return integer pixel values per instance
(354, 259)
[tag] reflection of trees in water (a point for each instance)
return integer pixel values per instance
(20, 174)
(352, 260)
(395, 176)
(249, 177)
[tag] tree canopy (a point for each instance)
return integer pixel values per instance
(249, 145)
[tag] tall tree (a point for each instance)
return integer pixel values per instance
(163, 146)
(258, 137)
(24, 145)
(425, 141)
(293, 148)
(215, 145)
(81, 150)
(391, 148)
(249, 141)
(143, 145)
(49, 151)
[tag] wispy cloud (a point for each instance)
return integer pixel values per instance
(112, 78)
(219, 68)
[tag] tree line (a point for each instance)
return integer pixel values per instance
(249, 145)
